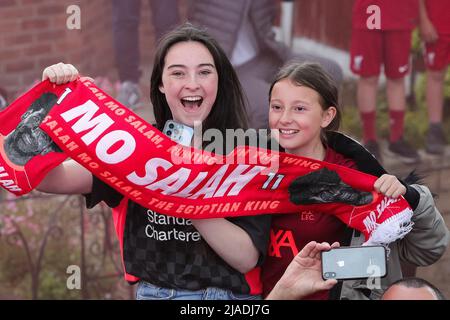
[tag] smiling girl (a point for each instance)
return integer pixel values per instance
(304, 117)
(192, 81)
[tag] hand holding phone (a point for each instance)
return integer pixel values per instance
(354, 263)
(303, 276)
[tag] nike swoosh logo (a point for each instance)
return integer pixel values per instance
(403, 69)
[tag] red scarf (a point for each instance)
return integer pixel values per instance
(144, 165)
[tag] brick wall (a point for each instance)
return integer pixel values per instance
(33, 35)
(325, 21)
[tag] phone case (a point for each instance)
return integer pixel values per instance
(178, 132)
(347, 263)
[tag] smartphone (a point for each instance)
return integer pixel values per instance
(178, 132)
(354, 263)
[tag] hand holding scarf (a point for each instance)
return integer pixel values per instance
(145, 166)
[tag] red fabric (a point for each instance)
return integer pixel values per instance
(253, 278)
(394, 15)
(291, 232)
(138, 161)
(16, 178)
(437, 54)
(119, 215)
(369, 122)
(372, 48)
(396, 124)
(439, 14)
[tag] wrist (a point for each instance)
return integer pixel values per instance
(411, 195)
(278, 293)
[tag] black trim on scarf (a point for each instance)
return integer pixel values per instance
(355, 151)
(367, 163)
